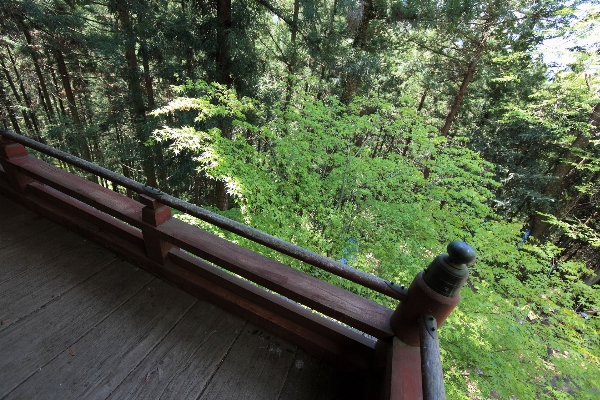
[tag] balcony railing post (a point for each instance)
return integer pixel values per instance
(431, 364)
(11, 150)
(154, 213)
(434, 291)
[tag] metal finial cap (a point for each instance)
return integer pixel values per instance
(460, 253)
(447, 273)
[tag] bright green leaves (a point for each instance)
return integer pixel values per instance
(347, 181)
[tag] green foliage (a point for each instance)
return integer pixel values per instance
(521, 316)
(325, 173)
(369, 179)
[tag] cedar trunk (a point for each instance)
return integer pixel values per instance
(38, 72)
(224, 78)
(81, 140)
(136, 93)
(560, 182)
(458, 98)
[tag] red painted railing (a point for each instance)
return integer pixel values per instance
(372, 338)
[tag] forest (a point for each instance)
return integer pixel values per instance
(371, 131)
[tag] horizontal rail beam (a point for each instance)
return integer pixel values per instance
(352, 274)
(347, 307)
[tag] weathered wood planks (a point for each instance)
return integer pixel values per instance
(85, 324)
(256, 367)
(19, 257)
(32, 289)
(97, 362)
(183, 363)
(20, 226)
(30, 344)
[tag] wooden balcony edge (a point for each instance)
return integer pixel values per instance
(353, 340)
(347, 307)
(316, 334)
(329, 299)
(146, 235)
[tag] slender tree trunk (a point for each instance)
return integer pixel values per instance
(419, 108)
(149, 87)
(136, 93)
(43, 103)
(458, 98)
(125, 170)
(26, 96)
(58, 103)
(66, 83)
(11, 83)
(80, 139)
(38, 70)
(468, 75)
(9, 109)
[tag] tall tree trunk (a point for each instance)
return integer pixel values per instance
(80, 139)
(136, 93)
(468, 75)
(149, 86)
(26, 96)
(11, 83)
(223, 51)
(224, 77)
(291, 66)
(458, 98)
(9, 109)
(556, 187)
(38, 71)
(368, 14)
(147, 76)
(353, 81)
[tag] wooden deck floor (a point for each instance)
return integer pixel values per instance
(78, 322)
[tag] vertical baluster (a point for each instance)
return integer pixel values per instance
(10, 150)
(154, 213)
(434, 292)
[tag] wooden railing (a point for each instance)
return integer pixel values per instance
(371, 338)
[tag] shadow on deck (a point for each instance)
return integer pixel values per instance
(79, 322)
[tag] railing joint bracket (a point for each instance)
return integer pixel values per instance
(431, 325)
